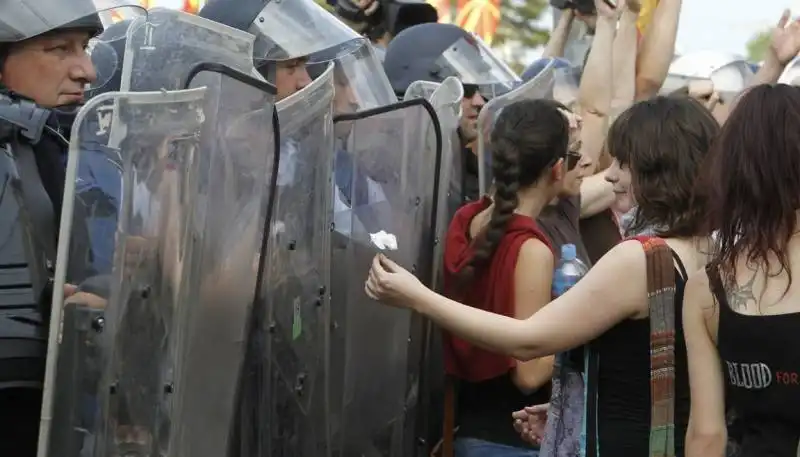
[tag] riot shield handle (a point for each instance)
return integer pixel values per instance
(230, 72)
(25, 115)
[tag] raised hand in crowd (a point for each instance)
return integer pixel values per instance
(785, 42)
(703, 91)
(784, 46)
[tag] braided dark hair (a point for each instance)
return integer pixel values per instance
(528, 138)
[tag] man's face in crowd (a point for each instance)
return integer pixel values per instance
(470, 107)
(52, 69)
(291, 76)
(578, 166)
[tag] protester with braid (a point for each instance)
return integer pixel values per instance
(497, 259)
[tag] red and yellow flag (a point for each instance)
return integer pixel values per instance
(646, 15)
(191, 6)
(479, 16)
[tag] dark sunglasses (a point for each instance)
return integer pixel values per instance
(572, 159)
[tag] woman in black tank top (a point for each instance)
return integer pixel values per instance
(742, 316)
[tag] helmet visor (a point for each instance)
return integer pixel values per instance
(360, 82)
(293, 29)
(471, 61)
(731, 79)
(24, 19)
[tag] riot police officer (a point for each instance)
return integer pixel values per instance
(289, 36)
(44, 69)
(434, 51)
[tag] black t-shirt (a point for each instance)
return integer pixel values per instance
(600, 233)
(561, 223)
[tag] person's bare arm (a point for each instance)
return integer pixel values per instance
(595, 100)
(598, 302)
(706, 435)
(595, 93)
(558, 38)
(597, 195)
(624, 63)
(657, 49)
(533, 279)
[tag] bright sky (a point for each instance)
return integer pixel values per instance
(726, 25)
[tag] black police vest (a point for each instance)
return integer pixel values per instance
(27, 262)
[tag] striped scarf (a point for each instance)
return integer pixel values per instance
(661, 298)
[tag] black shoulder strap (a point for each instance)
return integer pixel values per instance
(36, 201)
(679, 263)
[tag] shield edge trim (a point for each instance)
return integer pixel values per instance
(65, 233)
(417, 321)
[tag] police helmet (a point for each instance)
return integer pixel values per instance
(434, 51)
(286, 29)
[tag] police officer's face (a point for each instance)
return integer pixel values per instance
(470, 106)
(344, 102)
(52, 69)
(291, 76)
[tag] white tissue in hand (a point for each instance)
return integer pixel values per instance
(384, 241)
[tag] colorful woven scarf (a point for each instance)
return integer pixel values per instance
(661, 302)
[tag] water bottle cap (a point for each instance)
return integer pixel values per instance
(569, 252)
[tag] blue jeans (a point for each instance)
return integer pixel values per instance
(471, 447)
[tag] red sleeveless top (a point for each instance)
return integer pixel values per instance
(492, 288)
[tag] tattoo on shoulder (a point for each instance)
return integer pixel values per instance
(739, 295)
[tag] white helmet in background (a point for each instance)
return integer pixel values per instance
(730, 73)
(791, 73)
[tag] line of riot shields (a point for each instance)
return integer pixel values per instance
(223, 237)
(228, 315)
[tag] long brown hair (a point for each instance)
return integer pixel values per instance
(754, 178)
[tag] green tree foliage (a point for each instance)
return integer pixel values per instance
(325, 5)
(520, 25)
(758, 46)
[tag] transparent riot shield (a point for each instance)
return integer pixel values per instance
(236, 177)
(163, 47)
(124, 208)
(446, 100)
(292, 405)
(360, 81)
(394, 154)
(540, 86)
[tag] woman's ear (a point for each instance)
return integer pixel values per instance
(558, 171)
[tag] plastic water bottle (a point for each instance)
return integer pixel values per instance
(570, 270)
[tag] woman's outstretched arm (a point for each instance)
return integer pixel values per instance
(615, 289)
